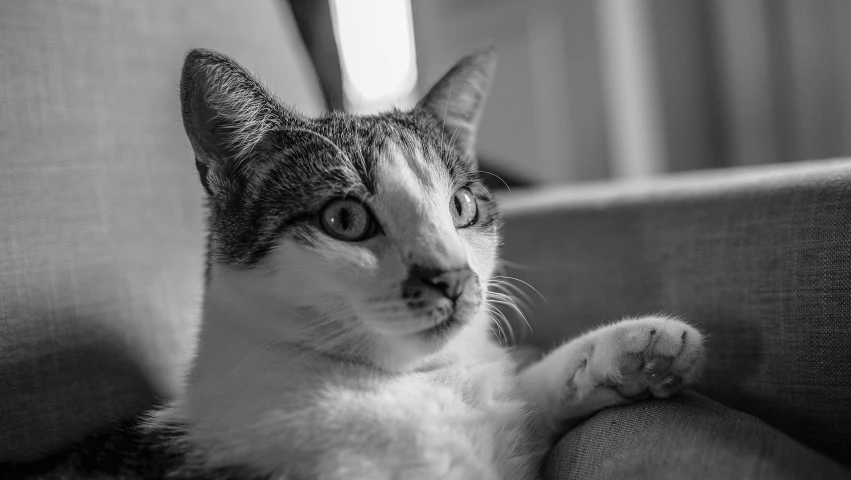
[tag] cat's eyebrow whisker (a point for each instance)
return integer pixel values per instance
(349, 190)
(323, 138)
(360, 145)
(497, 176)
(480, 184)
(357, 109)
(458, 128)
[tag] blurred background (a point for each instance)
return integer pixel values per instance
(598, 89)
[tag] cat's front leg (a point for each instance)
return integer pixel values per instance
(615, 364)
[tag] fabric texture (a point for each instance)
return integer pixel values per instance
(101, 244)
(759, 259)
(688, 436)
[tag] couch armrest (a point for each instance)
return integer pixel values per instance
(758, 258)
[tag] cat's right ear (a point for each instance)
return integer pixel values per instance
(228, 116)
(458, 98)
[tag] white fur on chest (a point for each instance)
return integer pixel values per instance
(278, 409)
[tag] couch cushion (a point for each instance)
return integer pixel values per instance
(101, 210)
(759, 258)
(688, 436)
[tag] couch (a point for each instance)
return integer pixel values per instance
(759, 258)
(102, 238)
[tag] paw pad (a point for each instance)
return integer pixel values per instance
(651, 356)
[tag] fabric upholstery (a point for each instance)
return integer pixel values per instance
(101, 236)
(684, 437)
(759, 259)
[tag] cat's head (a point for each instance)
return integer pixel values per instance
(368, 237)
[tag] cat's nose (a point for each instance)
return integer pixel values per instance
(450, 283)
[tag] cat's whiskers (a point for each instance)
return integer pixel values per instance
(496, 320)
(510, 302)
(515, 279)
(507, 288)
(495, 333)
(501, 292)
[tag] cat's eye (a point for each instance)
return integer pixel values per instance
(348, 220)
(464, 208)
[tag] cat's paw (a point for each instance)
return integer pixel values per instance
(647, 356)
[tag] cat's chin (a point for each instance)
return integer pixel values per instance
(443, 330)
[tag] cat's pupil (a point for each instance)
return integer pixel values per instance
(345, 218)
(458, 207)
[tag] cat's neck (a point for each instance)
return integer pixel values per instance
(241, 321)
(240, 324)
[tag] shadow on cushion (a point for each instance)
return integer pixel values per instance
(64, 387)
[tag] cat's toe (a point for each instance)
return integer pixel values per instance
(669, 385)
(658, 357)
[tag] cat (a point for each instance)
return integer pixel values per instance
(345, 330)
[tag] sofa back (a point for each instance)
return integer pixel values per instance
(101, 220)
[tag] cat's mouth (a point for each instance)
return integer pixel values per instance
(450, 324)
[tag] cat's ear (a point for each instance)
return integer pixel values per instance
(458, 98)
(228, 116)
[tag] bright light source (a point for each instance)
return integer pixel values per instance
(376, 43)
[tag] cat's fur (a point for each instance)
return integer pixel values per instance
(313, 361)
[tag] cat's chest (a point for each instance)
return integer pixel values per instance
(478, 385)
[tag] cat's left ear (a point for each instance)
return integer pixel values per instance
(457, 99)
(229, 118)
